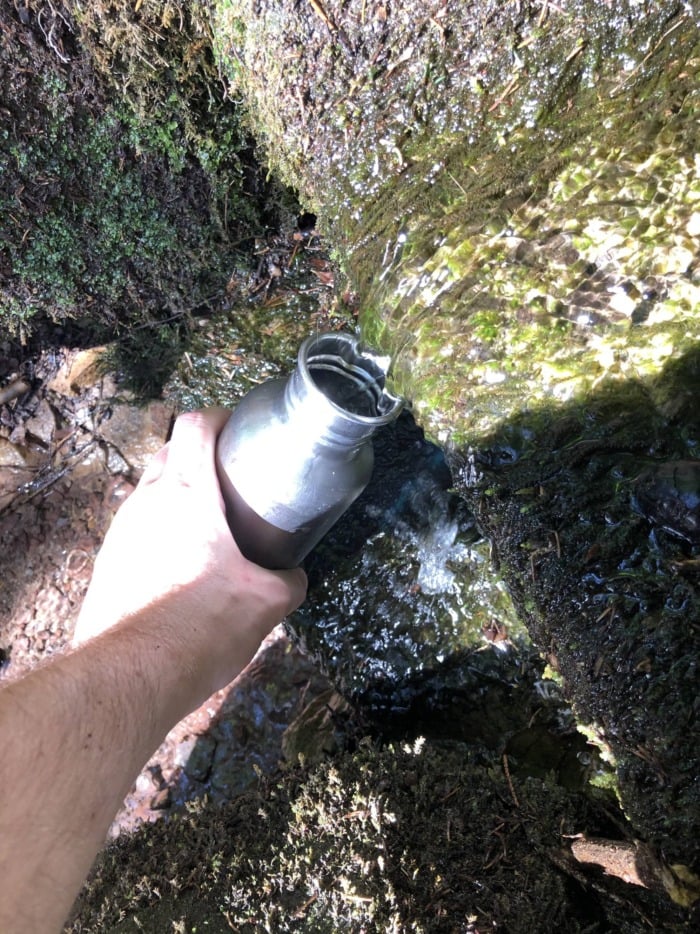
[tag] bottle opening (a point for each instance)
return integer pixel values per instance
(349, 377)
(348, 392)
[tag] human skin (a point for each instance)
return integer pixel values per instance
(173, 613)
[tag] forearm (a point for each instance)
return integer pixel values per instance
(74, 734)
(187, 613)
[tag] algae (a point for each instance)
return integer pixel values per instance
(259, 325)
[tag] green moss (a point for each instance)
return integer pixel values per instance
(159, 61)
(412, 838)
(518, 228)
(126, 180)
(77, 248)
(587, 279)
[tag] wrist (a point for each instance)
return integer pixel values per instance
(186, 647)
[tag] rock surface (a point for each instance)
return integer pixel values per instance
(515, 191)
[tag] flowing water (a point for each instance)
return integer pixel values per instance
(404, 581)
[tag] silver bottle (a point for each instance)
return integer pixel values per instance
(296, 452)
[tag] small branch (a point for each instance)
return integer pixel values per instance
(506, 770)
(15, 389)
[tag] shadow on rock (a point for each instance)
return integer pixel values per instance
(425, 837)
(592, 510)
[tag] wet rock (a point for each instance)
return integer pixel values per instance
(200, 758)
(79, 370)
(314, 733)
(669, 496)
(42, 424)
(618, 607)
(184, 750)
(528, 253)
(404, 580)
(15, 471)
(136, 433)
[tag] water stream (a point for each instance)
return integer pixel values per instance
(404, 580)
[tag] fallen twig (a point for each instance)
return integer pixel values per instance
(16, 388)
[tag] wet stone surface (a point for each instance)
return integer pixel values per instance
(248, 730)
(404, 582)
(525, 243)
(669, 496)
(593, 513)
(502, 280)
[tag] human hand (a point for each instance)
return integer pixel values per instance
(170, 566)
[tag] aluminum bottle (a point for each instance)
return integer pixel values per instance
(295, 453)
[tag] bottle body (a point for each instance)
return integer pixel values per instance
(297, 452)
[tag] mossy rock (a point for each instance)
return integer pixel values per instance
(514, 192)
(127, 182)
(418, 837)
(592, 509)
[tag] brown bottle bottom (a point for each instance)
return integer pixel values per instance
(259, 540)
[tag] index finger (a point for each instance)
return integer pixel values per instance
(192, 445)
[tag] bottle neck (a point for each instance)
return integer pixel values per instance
(337, 391)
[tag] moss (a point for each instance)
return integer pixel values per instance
(607, 592)
(588, 278)
(158, 59)
(126, 183)
(518, 227)
(414, 837)
(514, 191)
(247, 341)
(604, 776)
(75, 249)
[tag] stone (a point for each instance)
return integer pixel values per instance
(161, 800)
(42, 423)
(313, 734)
(79, 370)
(136, 433)
(199, 762)
(15, 471)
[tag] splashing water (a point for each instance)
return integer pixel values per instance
(404, 581)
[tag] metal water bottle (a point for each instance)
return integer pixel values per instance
(296, 452)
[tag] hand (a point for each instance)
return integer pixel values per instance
(169, 550)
